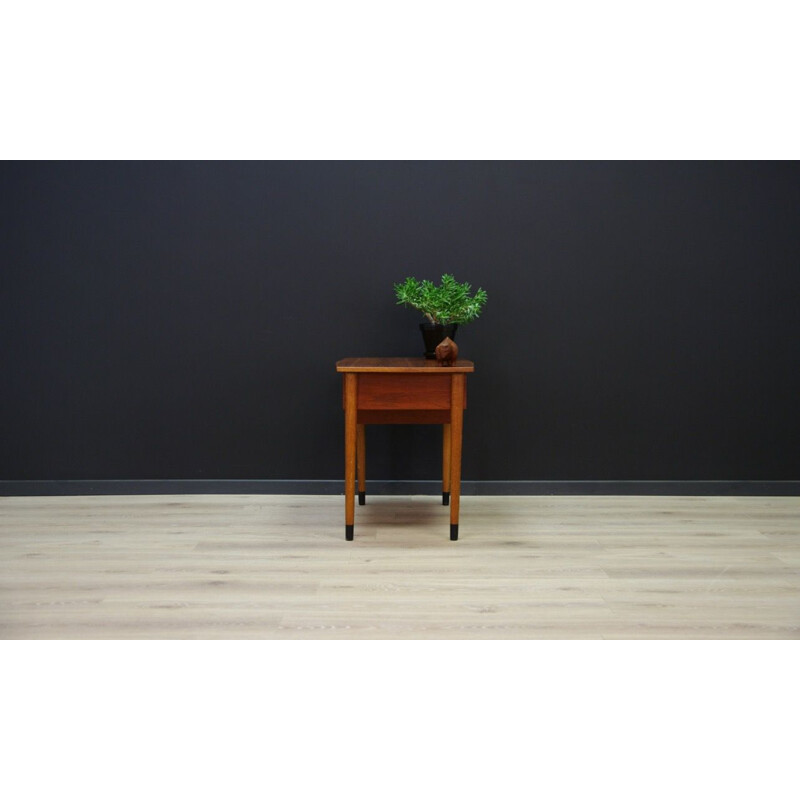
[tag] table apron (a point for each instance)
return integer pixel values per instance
(411, 392)
(403, 417)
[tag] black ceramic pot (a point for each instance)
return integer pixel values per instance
(433, 334)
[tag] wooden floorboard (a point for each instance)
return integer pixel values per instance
(278, 567)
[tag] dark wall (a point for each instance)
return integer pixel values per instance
(182, 320)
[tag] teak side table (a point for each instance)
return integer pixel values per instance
(402, 391)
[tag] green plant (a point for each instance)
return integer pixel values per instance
(448, 303)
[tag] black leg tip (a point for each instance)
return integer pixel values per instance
(362, 498)
(445, 498)
(348, 532)
(453, 532)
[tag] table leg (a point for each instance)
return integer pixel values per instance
(446, 464)
(361, 464)
(456, 430)
(350, 435)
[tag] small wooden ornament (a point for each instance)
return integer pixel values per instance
(446, 352)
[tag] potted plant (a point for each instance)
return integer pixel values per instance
(445, 307)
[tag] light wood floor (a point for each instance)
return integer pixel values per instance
(254, 566)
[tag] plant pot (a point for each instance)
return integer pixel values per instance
(433, 334)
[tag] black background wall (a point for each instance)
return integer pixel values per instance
(181, 320)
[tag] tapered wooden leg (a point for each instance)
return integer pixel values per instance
(446, 464)
(456, 430)
(361, 463)
(350, 436)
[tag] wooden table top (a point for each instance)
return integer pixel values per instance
(400, 365)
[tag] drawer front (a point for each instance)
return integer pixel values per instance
(411, 391)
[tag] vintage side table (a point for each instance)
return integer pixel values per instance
(411, 391)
